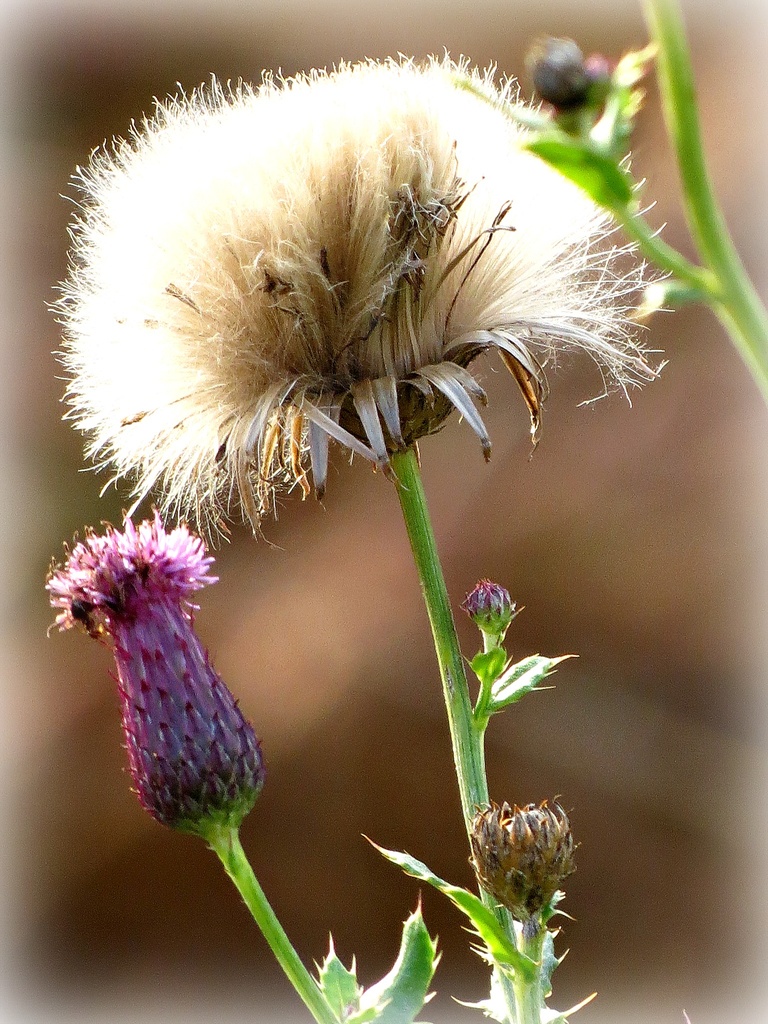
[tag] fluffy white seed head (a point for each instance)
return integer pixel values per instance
(256, 271)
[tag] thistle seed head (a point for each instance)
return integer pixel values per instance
(521, 856)
(255, 272)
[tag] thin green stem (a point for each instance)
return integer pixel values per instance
(736, 302)
(225, 843)
(467, 735)
(528, 994)
(664, 256)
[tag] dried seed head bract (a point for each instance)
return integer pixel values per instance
(257, 271)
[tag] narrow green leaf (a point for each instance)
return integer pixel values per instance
(600, 176)
(520, 679)
(399, 996)
(501, 948)
(339, 986)
(488, 665)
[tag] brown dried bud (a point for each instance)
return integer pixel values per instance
(522, 856)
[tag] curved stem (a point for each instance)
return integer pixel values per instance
(465, 738)
(225, 843)
(735, 301)
(467, 735)
(664, 256)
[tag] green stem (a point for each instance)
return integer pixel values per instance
(736, 302)
(664, 256)
(225, 843)
(467, 735)
(528, 994)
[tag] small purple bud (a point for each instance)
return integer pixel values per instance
(598, 69)
(194, 759)
(491, 609)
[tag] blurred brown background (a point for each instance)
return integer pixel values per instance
(635, 537)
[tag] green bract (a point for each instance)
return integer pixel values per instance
(400, 994)
(498, 947)
(586, 165)
(502, 683)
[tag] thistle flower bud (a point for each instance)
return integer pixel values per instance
(522, 856)
(491, 609)
(561, 75)
(194, 759)
(557, 71)
(257, 272)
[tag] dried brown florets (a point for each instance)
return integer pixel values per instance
(522, 856)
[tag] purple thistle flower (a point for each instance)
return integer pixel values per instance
(194, 759)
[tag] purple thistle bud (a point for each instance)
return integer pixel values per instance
(563, 77)
(194, 759)
(491, 609)
(557, 69)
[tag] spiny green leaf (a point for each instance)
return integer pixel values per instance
(488, 665)
(495, 1006)
(561, 1016)
(521, 678)
(597, 174)
(339, 986)
(399, 996)
(612, 131)
(501, 948)
(550, 909)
